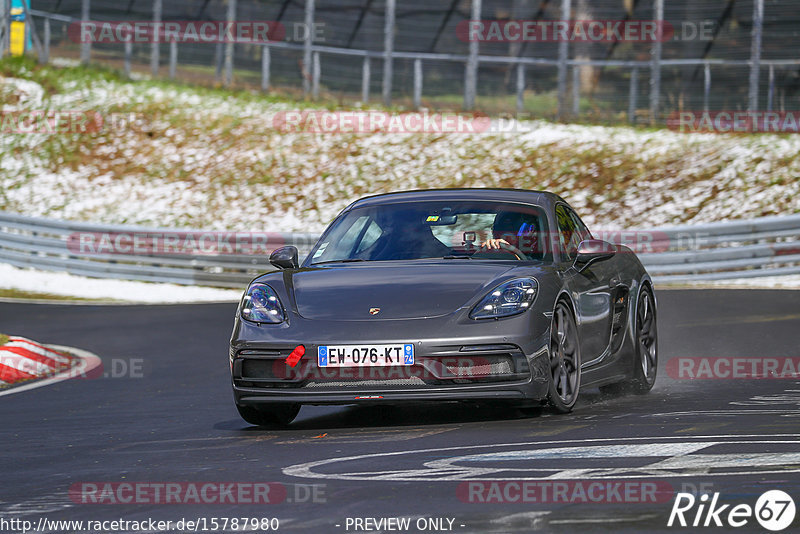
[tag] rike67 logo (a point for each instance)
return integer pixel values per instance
(774, 510)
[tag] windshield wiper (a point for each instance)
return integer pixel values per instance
(348, 260)
(459, 257)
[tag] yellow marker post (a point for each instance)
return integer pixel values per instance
(17, 34)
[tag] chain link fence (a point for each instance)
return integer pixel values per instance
(711, 55)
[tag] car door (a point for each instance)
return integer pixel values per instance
(592, 287)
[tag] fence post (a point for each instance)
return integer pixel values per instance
(755, 54)
(365, 75)
(265, 58)
(771, 93)
(86, 47)
(706, 85)
(633, 94)
(30, 31)
(471, 71)
(576, 90)
(231, 19)
(520, 87)
(46, 44)
(309, 21)
(388, 50)
(417, 83)
(218, 59)
(155, 52)
(655, 61)
(173, 58)
(4, 27)
(128, 55)
(317, 72)
(563, 55)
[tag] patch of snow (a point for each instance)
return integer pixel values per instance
(789, 281)
(68, 285)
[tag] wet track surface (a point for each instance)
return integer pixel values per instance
(172, 419)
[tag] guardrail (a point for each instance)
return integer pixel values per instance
(766, 246)
(51, 244)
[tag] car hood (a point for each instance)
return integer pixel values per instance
(407, 290)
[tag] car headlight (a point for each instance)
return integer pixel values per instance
(262, 305)
(509, 298)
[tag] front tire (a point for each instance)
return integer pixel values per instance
(270, 416)
(565, 360)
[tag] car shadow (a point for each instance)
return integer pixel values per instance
(374, 416)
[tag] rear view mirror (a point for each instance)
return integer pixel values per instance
(592, 250)
(284, 257)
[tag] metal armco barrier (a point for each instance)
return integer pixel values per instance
(766, 246)
(54, 245)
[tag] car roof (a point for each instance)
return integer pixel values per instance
(540, 198)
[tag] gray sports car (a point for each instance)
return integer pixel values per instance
(445, 295)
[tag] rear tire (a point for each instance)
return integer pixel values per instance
(645, 357)
(565, 360)
(277, 415)
(646, 329)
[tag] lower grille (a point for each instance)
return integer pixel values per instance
(452, 365)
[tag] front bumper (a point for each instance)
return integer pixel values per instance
(487, 360)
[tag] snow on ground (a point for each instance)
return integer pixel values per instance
(211, 160)
(69, 285)
(791, 281)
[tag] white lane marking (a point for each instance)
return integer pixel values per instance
(306, 470)
(603, 520)
(89, 361)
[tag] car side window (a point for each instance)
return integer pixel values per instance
(583, 231)
(568, 233)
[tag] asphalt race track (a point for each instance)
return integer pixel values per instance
(164, 413)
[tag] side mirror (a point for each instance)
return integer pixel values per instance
(591, 250)
(284, 257)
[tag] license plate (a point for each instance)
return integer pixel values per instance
(365, 355)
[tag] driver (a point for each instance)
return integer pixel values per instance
(519, 230)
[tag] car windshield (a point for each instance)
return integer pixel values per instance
(474, 230)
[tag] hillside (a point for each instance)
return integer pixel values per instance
(209, 158)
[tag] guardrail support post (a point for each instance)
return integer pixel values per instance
(365, 76)
(755, 54)
(520, 87)
(86, 47)
(308, 42)
(417, 83)
(471, 72)
(388, 50)
(155, 52)
(229, 45)
(655, 61)
(633, 94)
(265, 60)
